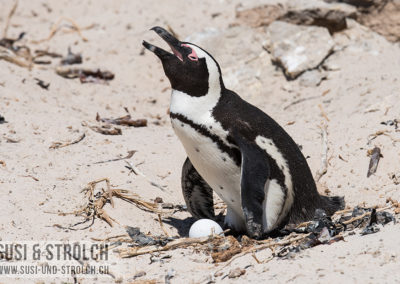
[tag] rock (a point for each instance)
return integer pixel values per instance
(311, 78)
(381, 16)
(206, 38)
(300, 12)
(384, 20)
(239, 52)
(332, 18)
(158, 200)
(220, 43)
(360, 3)
(167, 206)
(297, 48)
(261, 15)
(237, 272)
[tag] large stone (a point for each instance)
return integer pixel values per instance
(239, 52)
(361, 3)
(302, 12)
(297, 48)
(261, 15)
(333, 18)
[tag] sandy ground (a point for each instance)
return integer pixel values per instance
(357, 96)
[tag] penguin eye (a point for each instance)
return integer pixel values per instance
(192, 56)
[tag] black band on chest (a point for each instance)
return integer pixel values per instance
(233, 153)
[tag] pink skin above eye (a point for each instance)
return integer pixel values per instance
(192, 56)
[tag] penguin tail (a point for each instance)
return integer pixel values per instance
(333, 204)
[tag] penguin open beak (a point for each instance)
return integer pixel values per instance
(175, 45)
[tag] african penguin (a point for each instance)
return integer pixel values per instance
(234, 149)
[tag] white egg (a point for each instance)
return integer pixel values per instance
(204, 228)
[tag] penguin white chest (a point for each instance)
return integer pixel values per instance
(216, 167)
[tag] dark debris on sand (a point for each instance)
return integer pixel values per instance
(323, 230)
(140, 239)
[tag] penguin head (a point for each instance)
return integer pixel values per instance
(189, 68)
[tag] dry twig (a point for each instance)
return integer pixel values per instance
(10, 14)
(94, 208)
(184, 242)
(365, 214)
(118, 238)
(300, 101)
(130, 155)
(162, 225)
(57, 145)
(265, 244)
(124, 120)
(381, 132)
(323, 113)
(56, 27)
(7, 55)
(324, 158)
(136, 171)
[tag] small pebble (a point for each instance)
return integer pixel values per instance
(237, 272)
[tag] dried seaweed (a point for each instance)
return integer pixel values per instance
(44, 53)
(71, 58)
(106, 129)
(21, 57)
(96, 201)
(9, 43)
(130, 155)
(42, 84)
(323, 230)
(86, 75)
(224, 249)
(95, 76)
(41, 53)
(139, 239)
(56, 145)
(393, 122)
(373, 163)
(123, 120)
(179, 243)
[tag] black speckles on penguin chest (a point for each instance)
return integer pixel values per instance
(216, 166)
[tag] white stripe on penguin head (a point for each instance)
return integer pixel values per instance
(214, 85)
(199, 109)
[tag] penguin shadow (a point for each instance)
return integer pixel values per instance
(183, 225)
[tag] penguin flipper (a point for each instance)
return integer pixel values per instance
(254, 175)
(197, 193)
